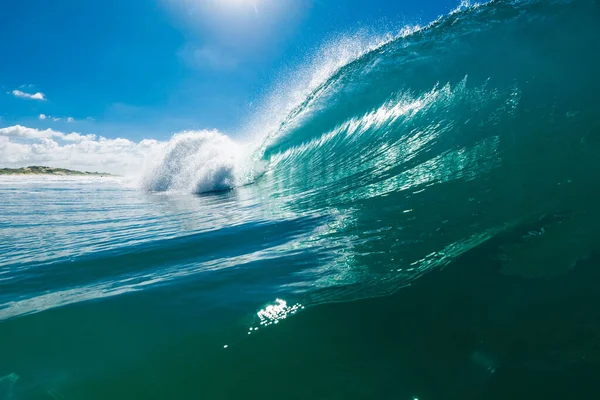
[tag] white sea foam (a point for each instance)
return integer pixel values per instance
(196, 162)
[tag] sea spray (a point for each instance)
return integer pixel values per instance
(196, 162)
(454, 170)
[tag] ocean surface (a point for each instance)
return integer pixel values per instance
(422, 224)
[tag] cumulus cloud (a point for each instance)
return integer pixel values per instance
(19, 131)
(32, 96)
(22, 146)
(43, 116)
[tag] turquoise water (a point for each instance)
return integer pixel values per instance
(422, 225)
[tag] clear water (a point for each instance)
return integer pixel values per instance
(424, 226)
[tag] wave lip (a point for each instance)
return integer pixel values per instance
(195, 162)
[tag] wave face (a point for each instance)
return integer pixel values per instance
(441, 138)
(477, 74)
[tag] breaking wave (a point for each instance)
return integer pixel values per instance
(195, 162)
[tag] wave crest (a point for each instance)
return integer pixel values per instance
(195, 162)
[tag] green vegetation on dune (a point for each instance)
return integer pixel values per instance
(40, 170)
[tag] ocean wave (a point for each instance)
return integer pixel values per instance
(196, 162)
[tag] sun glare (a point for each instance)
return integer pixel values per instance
(239, 3)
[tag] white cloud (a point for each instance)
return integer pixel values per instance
(19, 131)
(32, 96)
(56, 119)
(78, 137)
(22, 146)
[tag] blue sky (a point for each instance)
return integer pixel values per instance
(147, 68)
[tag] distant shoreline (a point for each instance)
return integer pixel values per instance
(41, 170)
